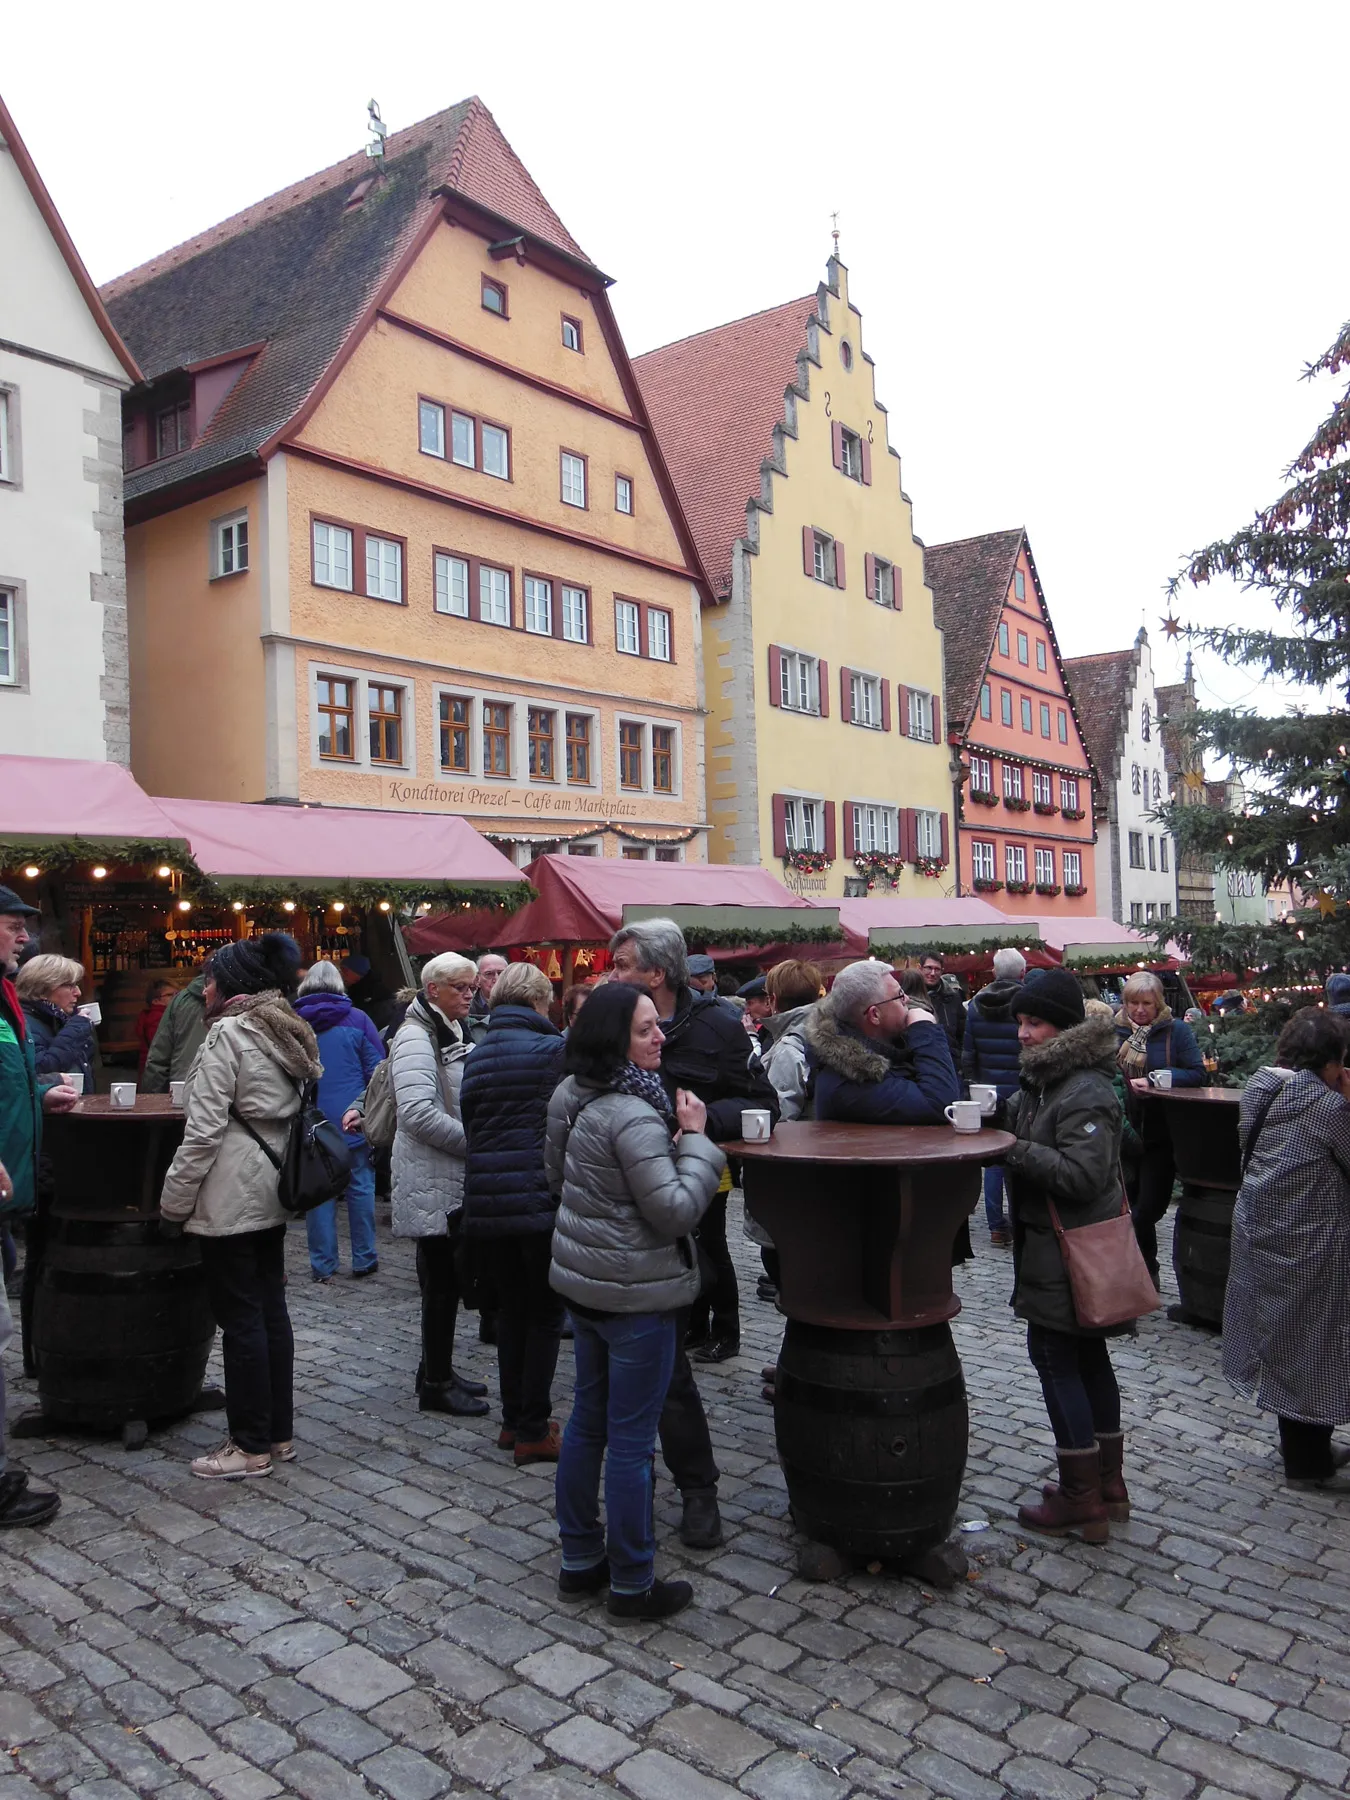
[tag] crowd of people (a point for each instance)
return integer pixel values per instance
(570, 1179)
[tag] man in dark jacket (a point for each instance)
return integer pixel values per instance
(180, 1036)
(508, 1209)
(707, 1051)
(944, 1000)
(878, 1058)
(991, 1054)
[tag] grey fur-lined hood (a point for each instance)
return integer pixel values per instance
(1091, 1045)
(847, 1053)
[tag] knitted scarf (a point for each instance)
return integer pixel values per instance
(293, 1041)
(1132, 1055)
(644, 1084)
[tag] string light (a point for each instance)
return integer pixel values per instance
(339, 906)
(384, 906)
(164, 871)
(288, 906)
(237, 906)
(32, 872)
(185, 906)
(98, 872)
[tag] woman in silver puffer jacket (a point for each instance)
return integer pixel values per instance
(635, 1177)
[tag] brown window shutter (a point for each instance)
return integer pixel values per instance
(838, 564)
(946, 848)
(909, 834)
(902, 701)
(885, 706)
(869, 575)
(897, 589)
(829, 830)
(866, 461)
(779, 805)
(837, 443)
(823, 684)
(937, 722)
(846, 695)
(775, 675)
(809, 550)
(850, 846)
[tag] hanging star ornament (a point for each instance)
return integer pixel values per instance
(1326, 903)
(1171, 627)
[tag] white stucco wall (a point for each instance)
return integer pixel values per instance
(1156, 887)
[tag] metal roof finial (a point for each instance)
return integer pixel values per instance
(834, 222)
(379, 131)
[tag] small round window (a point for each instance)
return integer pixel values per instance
(846, 353)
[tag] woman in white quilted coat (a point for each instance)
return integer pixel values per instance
(426, 1067)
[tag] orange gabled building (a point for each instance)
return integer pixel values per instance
(1024, 808)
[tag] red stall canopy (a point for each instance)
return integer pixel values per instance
(66, 800)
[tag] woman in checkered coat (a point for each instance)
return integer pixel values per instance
(1286, 1318)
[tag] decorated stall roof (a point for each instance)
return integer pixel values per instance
(1098, 943)
(887, 926)
(55, 811)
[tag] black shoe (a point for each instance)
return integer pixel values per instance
(661, 1599)
(701, 1522)
(766, 1289)
(21, 1505)
(449, 1399)
(575, 1584)
(477, 1388)
(718, 1349)
(360, 1274)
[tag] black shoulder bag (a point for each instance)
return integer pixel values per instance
(315, 1165)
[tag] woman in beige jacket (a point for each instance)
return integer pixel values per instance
(221, 1187)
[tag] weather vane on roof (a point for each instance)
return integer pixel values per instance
(834, 222)
(379, 131)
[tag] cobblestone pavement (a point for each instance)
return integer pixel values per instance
(380, 1616)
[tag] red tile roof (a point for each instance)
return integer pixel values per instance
(714, 400)
(970, 580)
(1100, 686)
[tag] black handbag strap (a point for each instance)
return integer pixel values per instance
(262, 1143)
(1257, 1123)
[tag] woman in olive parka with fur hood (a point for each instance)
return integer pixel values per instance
(1068, 1120)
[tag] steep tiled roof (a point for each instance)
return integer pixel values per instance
(970, 581)
(1100, 686)
(296, 272)
(714, 400)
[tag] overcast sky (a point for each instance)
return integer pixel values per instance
(1094, 246)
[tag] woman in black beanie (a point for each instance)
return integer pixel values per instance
(221, 1186)
(1068, 1121)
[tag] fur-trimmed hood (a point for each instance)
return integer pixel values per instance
(993, 1000)
(288, 1039)
(848, 1053)
(1091, 1045)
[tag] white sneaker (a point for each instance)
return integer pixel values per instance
(230, 1463)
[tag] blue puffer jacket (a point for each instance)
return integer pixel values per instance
(508, 1082)
(349, 1049)
(991, 1052)
(62, 1042)
(1171, 1045)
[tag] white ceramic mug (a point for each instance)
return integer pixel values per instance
(176, 1089)
(986, 1095)
(123, 1093)
(74, 1078)
(963, 1115)
(1160, 1078)
(756, 1125)
(92, 1011)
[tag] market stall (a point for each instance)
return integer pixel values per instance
(1102, 950)
(965, 932)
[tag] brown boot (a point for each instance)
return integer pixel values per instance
(1076, 1505)
(1115, 1496)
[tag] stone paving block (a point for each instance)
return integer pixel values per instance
(787, 1777)
(696, 1686)
(355, 1677)
(527, 1709)
(131, 1758)
(136, 1701)
(589, 1744)
(954, 1738)
(210, 1704)
(700, 1735)
(1226, 1696)
(1038, 1780)
(296, 1645)
(1103, 1757)
(458, 1671)
(952, 1779)
(496, 1635)
(20, 1720)
(1286, 1751)
(341, 1733)
(405, 1774)
(180, 1738)
(653, 1775)
(315, 1776)
(492, 1755)
(1106, 1718)
(627, 1697)
(257, 1739)
(1218, 1763)
(957, 1653)
(767, 1652)
(560, 1669)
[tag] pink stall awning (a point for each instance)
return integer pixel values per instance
(1100, 943)
(65, 799)
(937, 917)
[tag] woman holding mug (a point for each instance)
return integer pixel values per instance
(63, 1039)
(1151, 1041)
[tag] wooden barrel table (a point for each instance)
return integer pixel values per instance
(1203, 1126)
(121, 1326)
(870, 1410)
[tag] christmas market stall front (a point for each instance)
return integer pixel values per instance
(964, 931)
(1108, 953)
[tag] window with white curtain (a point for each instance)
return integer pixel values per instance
(332, 556)
(384, 569)
(452, 585)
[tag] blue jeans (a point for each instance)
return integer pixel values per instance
(1079, 1385)
(993, 1199)
(624, 1363)
(321, 1224)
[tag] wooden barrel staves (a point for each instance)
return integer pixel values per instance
(1201, 1245)
(872, 1430)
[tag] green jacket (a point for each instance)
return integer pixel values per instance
(178, 1039)
(20, 1105)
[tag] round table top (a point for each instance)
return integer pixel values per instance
(1219, 1096)
(832, 1141)
(100, 1106)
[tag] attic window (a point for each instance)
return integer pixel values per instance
(846, 353)
(359, 192)
(494, 298)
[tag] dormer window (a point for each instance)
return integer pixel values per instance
(173, 429)
(494, 298)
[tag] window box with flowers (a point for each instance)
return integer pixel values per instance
(1044, 807)
(931, 866)
(1075, 890)
(810, 862)
(879, 865)
(1047, 887)
(982, 796)
(1073, 812)
(1013, 804)
(1020, 887)
(984, 884)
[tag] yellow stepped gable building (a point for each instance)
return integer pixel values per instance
(827, 760)
(399, 535)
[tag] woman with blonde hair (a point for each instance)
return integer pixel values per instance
(63, 1039)
(1151, 1039)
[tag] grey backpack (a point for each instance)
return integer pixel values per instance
(381, 1109)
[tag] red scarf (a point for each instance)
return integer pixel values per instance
(14, 1007)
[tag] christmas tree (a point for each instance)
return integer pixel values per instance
(1295, 825)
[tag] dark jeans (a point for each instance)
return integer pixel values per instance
(529, 1328)
(245, 1283)
(1151, 1197)
(440, 1302)
(1306, 1450)
(995, 1212)
(623, 1367)
(773, 1264)
(685, 1443)
(1079, 1385)
(724, 1298)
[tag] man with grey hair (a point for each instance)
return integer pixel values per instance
(878, 1058)
(991, 1053)
(489, 966)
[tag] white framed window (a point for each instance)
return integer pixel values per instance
(1136, 847)
(920, 723)
(627, 627)
(883, 581)
(575, 626)
(850, 454)
(1042, 792)
(1068, 793)
(623, 494)
(927, 832)
(384, 569)
(571, 334)
(1012, 781)
(538, 606)
(982, 860)
(430, 428)
(8, 459)
(573, 479)
(496, 452)
(865, 701)
(9, 633)
(1136, 912)
(658, 634)
(1163, 855)
(1073, 868)
(823, 562)
(875, 828)
(1045, 868)
(494, 595)
(803, 823)
(452, 585)
(494, 297)
(462, 435)
(799, 682)
(1152, 851)
(1150, 912)
(981, 775)
(332, 556)
(229, 545)
(1014, 862)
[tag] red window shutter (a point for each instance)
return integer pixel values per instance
(946, 851)
(937, 730)
(775, 675)
(779, 805)
(902, 701)
(837, 443)
(838, 564)
(866, 461)
(846, 695)
(823, 683)
(869, 575)
(829, 830)
(809, 550)
(885, 706)
(850, 846)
